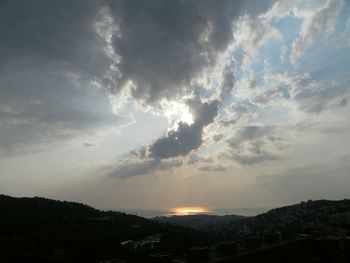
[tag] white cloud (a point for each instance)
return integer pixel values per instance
(251, 34)
(321, 23)
(309, 96)
(280, 9)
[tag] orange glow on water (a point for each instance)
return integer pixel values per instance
(182, 211)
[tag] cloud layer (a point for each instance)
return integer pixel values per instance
(233, 78)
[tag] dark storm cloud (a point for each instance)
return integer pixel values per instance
(54, 64)
(185, 138)
(50, 34)
(178, 142)
(44, 44)
(163, 45)
(50, 52)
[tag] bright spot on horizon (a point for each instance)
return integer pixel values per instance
(184, 211)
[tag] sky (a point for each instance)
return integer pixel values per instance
(157, 104)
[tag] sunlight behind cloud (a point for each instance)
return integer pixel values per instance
(177, 112)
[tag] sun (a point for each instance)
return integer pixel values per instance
(186, 117)
(184, 211)
(177, 112)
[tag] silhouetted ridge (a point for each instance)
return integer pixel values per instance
(44, 230)
(40, 205)
(304, 217)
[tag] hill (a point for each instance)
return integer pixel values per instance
(44, 230)
(305, 217)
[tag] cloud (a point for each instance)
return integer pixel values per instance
(255, 144)
(161, 155)
(52, 65)
(272, 96)
(309, 95)
(42, 110)
(169, 164)
(62, 56)
(251, 34)
(139, 167)
(228, 79)
(320, 23)
(160, 52)
(88, 145)
(194, 158)
(279, 10)
(236, 113)
(164, 46)
(218, 137)
(60, 63)
(343, 102)
(215, 168)
(45, 35)
(132, 168)
(185, 138)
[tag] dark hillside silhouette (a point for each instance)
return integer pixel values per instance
(44, 230)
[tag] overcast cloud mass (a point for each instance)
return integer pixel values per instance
(153, 104)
